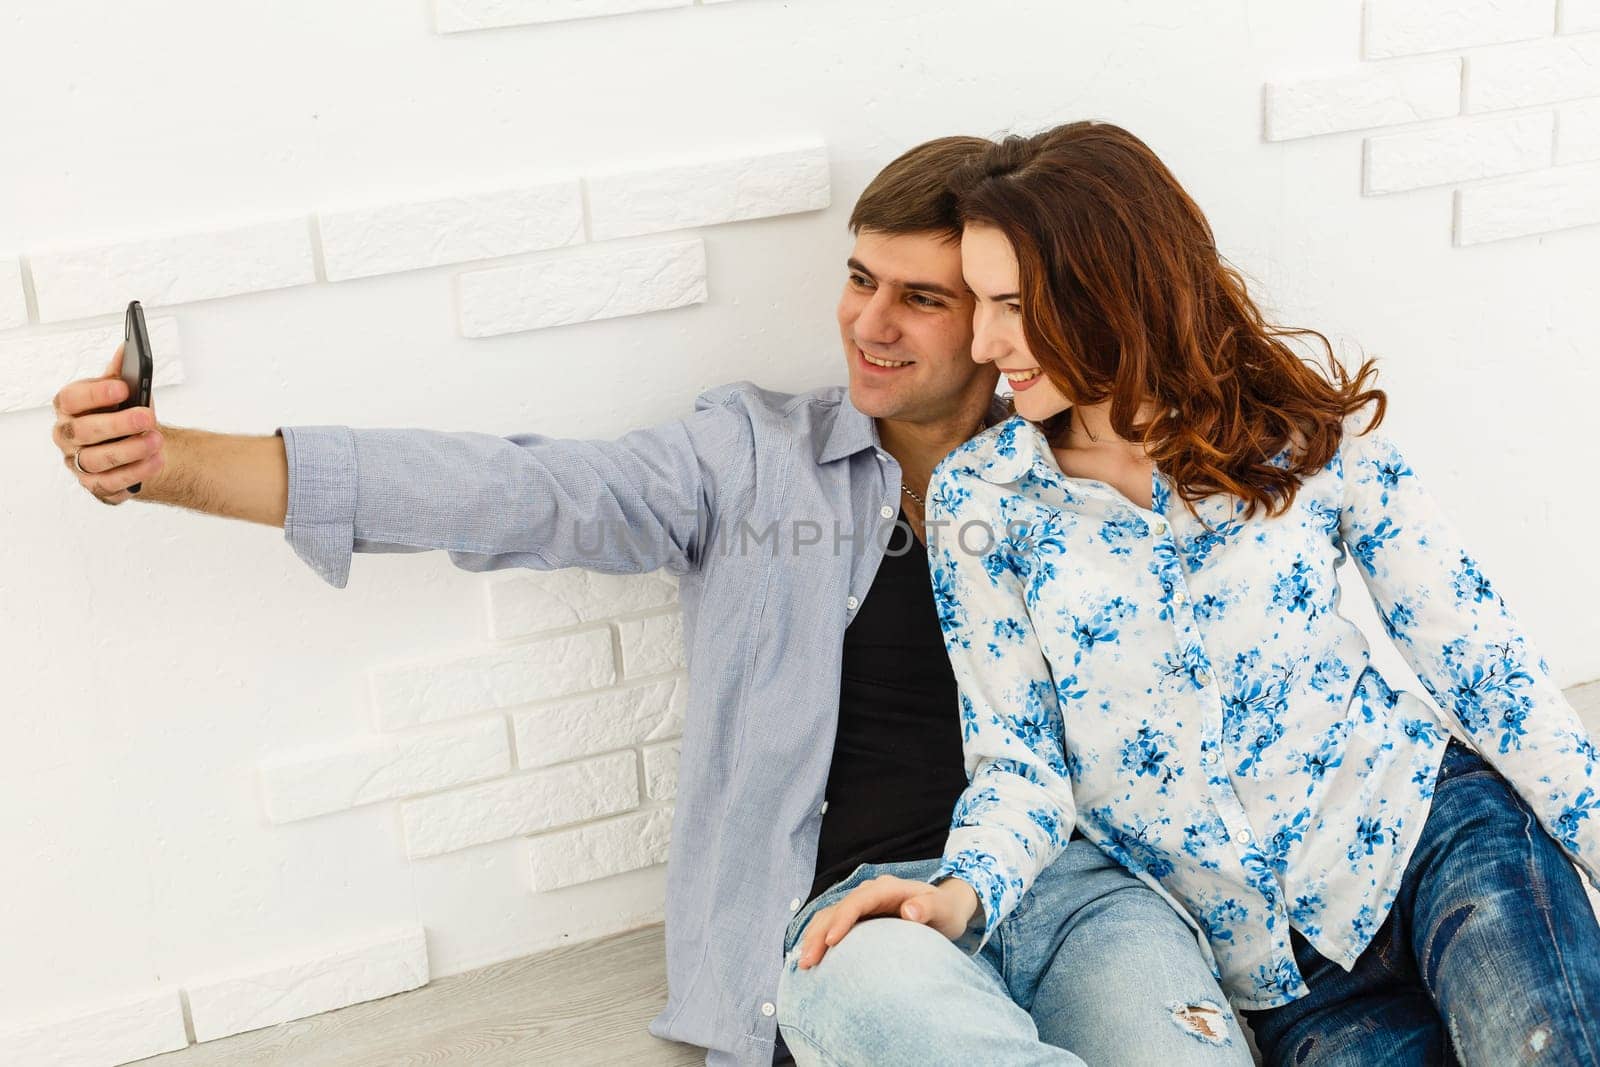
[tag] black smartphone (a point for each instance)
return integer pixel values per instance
(138, 365)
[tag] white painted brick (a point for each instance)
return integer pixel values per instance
(309, 985)
(409, 694)
(455, 16)
(708, 191)
(525, 804)
(1409, 27)
(1556, 199)
(600, 849)
(119, 1034)
(13, 302)
(652, 645)
(1485, 148)
(327, 778)
(661, 770)
(605, 722)
(1524, 75)
(550, 600)
(1383, 96)
(175, 269)
(37, 366)
(582, 287)
(383, 240)
(1578, 138)
(1580, 16)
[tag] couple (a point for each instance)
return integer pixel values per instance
(1146, 648)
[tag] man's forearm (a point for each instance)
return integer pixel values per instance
(236, 476)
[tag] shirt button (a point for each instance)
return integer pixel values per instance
(824, 807)
(1209, 758)
(1204, 678)
(882, 457)
(1178, 598)
(852, 603)
(1159, 527)
(768, 1010)
(886, 511)
(794, 905)
(1244, 837)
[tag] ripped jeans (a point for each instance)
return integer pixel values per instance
(1093, 967)
(1490, 956)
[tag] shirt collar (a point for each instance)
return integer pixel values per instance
(1005, 452)
(851, 431)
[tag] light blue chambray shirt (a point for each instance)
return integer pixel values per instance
(772, 509)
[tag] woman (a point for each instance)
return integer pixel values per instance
(1153, 630)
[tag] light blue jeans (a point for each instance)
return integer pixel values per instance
(1093, 967)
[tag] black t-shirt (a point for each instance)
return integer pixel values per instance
(897, 764)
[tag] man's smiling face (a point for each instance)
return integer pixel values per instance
(905, 319)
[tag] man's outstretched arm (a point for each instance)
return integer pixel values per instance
(638, 503)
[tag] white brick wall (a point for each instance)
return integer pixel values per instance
(534, 217)
(621, 718)
(36, 366)
(554, 289)
(539, 601)
(708, 191)
(1449, 154)
(346, 774)
(308, 985)
(1578, 132)
(176, 269)
(1525, 75)
(1555, 199)
(13, 301)
(409, 694)
(120, 1033)
(364, 242)
(582, 287)
(523, 804)
(661, 770)
(1408, 27)
(1580, 16)
(1378, 96)
(600, 849)
(652, 645)
(1516, 60)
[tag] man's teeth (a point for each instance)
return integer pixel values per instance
(884, 362)
(1023, 376)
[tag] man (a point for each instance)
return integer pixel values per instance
(822, 732)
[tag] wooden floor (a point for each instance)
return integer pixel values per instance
(587, 1004)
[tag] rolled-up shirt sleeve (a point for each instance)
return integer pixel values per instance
(639, 503)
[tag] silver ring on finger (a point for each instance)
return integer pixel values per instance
(79, 463)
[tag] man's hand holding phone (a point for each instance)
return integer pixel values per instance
(110, 440)
(110, 451)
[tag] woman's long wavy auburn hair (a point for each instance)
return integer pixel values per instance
(1125, 297)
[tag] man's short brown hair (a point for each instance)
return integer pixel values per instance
(911, 195)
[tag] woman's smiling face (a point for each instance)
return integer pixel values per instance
(989, 265)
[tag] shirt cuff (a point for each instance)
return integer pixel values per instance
(989, 887)
(320, 521)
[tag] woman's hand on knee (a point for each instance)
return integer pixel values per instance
(947, 907)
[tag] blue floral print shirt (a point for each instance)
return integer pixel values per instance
(1186, 691)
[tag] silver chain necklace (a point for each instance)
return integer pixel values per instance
(906, 489)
